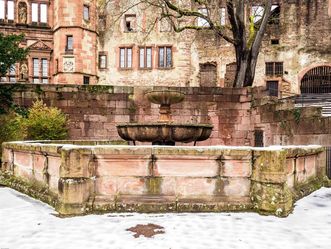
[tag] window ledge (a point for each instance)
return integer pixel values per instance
(146, 68)
(125, 69)
(165, 68)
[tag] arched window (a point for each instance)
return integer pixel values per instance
(317, 80)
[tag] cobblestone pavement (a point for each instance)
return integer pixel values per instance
(29, 224)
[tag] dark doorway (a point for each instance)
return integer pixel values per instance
(208, 74)
(230, 74)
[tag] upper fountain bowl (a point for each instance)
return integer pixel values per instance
(165, 97)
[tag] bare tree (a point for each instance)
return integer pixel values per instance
(244, 32)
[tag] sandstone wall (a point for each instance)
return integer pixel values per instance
(89, 178)
(94, 111)
(285, 124)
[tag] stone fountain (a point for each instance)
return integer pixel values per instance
(164, 131)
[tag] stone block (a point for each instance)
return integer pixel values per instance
(126, 165)
(75, 162)
(195, 187)
(53, 167)
(235, 168)
(23, 159)
(39, 163)
(74, 191)
(236, 187)
(186, 166)
(105, 185)
(131, 186)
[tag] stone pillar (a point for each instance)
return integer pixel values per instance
(7, 160)
(75, 183)
(269, 191)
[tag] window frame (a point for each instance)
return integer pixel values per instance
(39, 13)
(134, 29)
(86, 80)
(165, 47)
(101, 54)
(277, 68)
(86, 6)
(223, 18)
(125, 67)
(67, 49)
(6, 11)
(145, 48)
(199, 19)
(40, 77)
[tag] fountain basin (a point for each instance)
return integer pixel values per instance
(164, 132)
(165, 97)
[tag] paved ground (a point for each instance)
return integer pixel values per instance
(29, 224)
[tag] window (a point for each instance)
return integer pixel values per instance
(12, 74)
(130, 23)
(10, 10)
(86, 13)
(165, 57)
(274, 68)
(34, 12)
(44, 70)
(145, 57)
(7, 10)
(222, 16)
(274, 41)
(39, 13)
(70, 43)
(2, 9)
(258, 138)
(275, 14)
(43, 13)
(201, 21)
(125, 57)
(40, 70)
(35, 70)
(272, 87)
(257, 13)
(86, 80)
(102, 61)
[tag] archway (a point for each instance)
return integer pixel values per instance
(317, 80)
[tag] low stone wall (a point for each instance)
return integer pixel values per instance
(96, 178)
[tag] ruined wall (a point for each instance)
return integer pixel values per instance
(284, 124)
(304, 41)
(94, 111)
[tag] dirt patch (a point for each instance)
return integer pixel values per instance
(148, 230)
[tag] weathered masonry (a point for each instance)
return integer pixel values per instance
(94, 45)
(79, 179)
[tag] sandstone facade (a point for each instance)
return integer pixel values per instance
(97, 38)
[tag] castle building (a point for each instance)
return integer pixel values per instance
(87, 42)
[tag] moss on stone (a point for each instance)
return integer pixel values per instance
(32, 188)
(153, 185)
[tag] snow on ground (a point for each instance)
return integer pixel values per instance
(29, 224)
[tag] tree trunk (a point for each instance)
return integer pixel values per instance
(244, 72)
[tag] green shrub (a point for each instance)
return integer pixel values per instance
(44, 123)
(11, 127)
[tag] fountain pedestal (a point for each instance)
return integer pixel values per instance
(164, 131)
